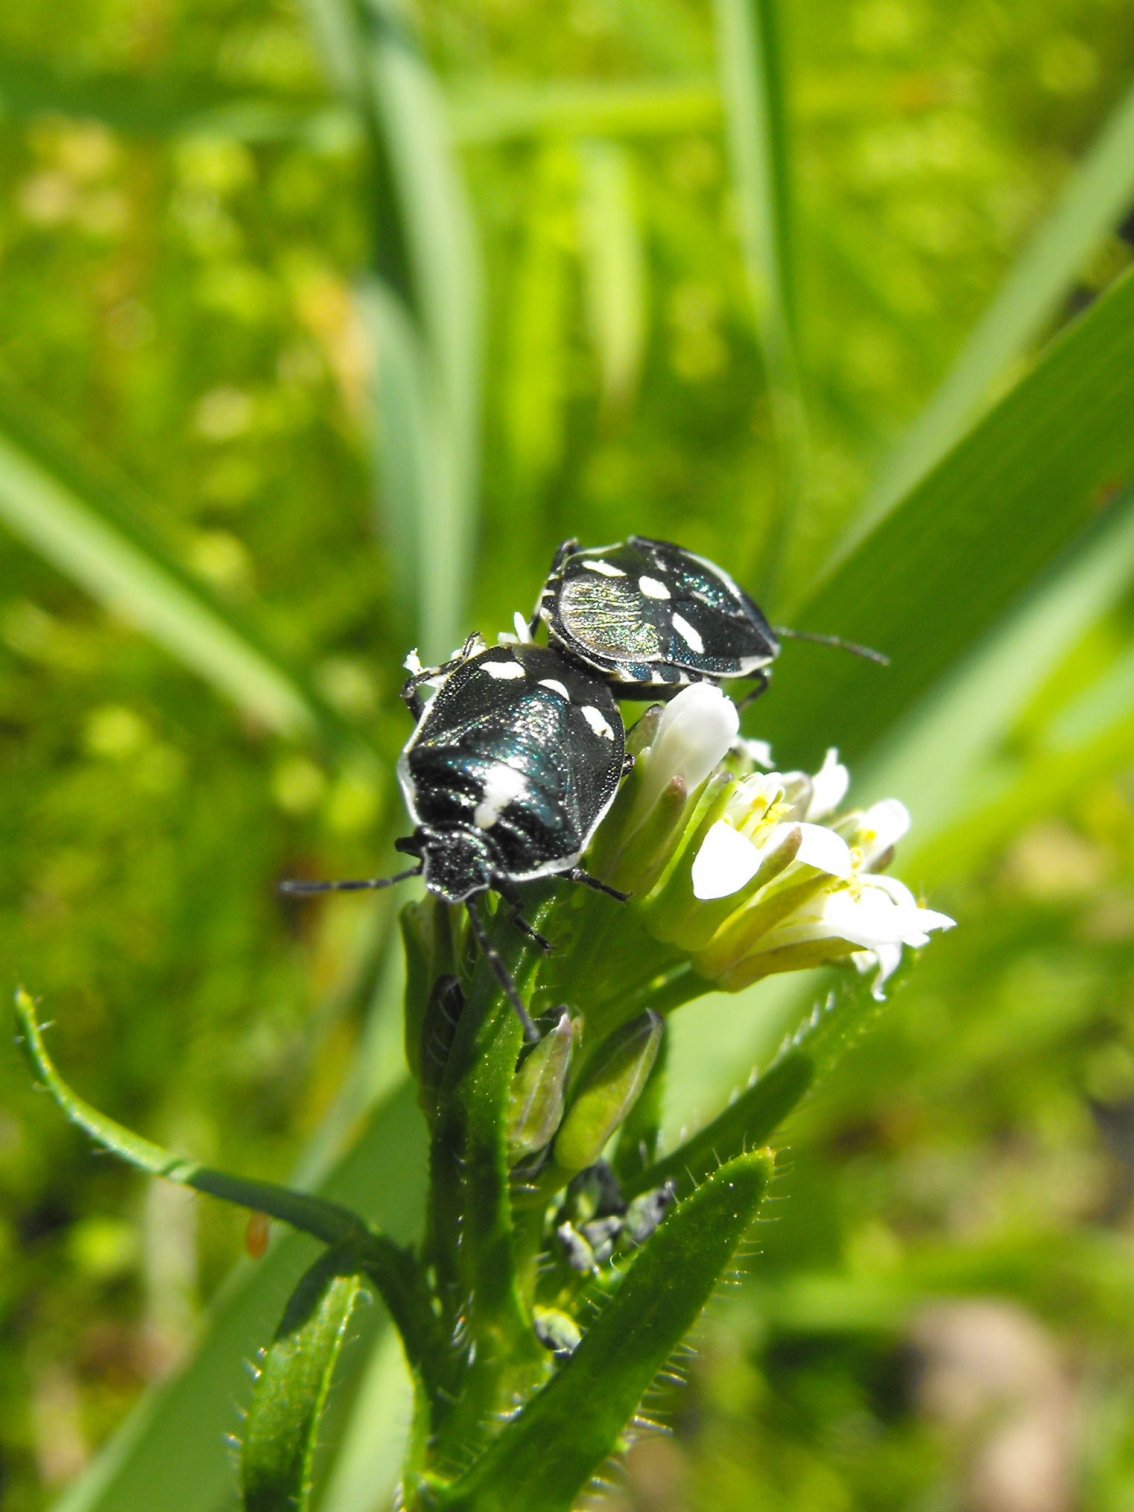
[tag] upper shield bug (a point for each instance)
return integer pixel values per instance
(651, 617)
(514, 762)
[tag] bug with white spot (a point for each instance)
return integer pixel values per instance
(650, 618)
(513, 764)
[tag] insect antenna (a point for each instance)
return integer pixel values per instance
(503, 975)
(369, 885)
(866, 652)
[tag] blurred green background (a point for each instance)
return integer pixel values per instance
(312, 350)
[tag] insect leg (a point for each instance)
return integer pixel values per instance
(515, 902)
(410, 695)
(577, 874)
(760, 681)
(503, 975)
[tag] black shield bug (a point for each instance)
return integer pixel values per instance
(650, 618)
(513, 764)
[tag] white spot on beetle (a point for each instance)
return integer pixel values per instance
(556, 687)
(502, 786)
(597, 721)
(688, 634)
(654, 588)
(503, 669)
(607, 569)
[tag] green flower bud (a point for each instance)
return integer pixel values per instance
(610, 1087)
(535, 1104)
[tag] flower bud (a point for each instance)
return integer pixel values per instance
(610, 1087)
(535, 1103)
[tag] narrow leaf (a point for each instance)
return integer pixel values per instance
(78, 520)
(614, 268)
(753, 89)
(543, 1459)
(387, 1263)
(934, 577)
(751, 1119)
(1093, 202)
(426, 257)
(173, 1449)
(973, 710)
(282, 1427)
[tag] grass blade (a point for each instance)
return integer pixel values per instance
(1093, 202)
(614, 269)
(938, 573)
(754, 93)
(970, 714)
(81, 522)
(426, 258)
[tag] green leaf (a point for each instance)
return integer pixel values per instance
(543, 1459)
(751, 1118)
(389, 1266)
(753, 89)
(936, 575)
(970, 712)
(614, 268)
(282, 1427)
(1090, 740)
(173, 1449)
(62, 505)
(1091, 205)
(429, 314)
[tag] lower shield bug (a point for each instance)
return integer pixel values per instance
(512, 766)
(650, 617)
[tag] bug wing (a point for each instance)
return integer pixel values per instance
(709, 624)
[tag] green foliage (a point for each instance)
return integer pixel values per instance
(369, 324)
(283, 1424)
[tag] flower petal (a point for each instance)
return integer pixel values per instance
(824, 850)
(758, 752)
(881, 827)
(725, 862)
(828, 786)
(694, 733)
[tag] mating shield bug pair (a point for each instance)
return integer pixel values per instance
(518, 756)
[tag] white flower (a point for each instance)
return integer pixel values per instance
(880, 828)
(805, 892)
(758, 752)
(828, 787)
(728, 860)
(877, 914)
(695, 732)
